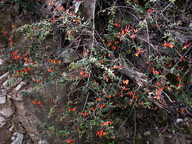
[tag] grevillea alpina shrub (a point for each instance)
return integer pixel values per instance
(134, 60)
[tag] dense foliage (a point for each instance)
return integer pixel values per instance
(130, 57)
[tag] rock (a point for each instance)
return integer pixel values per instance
(69, 55)
(2, 122)
(6, 110)
(147, 133)
(179, 120)
(1, 61)
(11, 83)
(42, 142)
(2, 100)
(3, 94)
(16, 96)
(4, 77)
(11, 128)
(19, 138)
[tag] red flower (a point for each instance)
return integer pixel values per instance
(4, 33)
(182, 110)
(122, 32)
(59, 61)
(158, 92)
(26, 70)
(186, 45)
(102, 105)
(14, 52)
(84, 74)
(49, 70)
(155, 72)
(113, 47)
(106, 123)
(101, 61)
(53, 101)
(125, 82)
(53, 61)
(11, 42)
(51, 3)
(85, 114)
(70, 141)
(116, 24)
(72, 109)
(133, 36)
(116, 42)
(109, 44)
(16, 57)
(108, 96)
(101, 133)
(38, 81)
(52, 20)
(116, 67)
(168, 45)
(98, 99)
(37, 102)
(59, 7)
(149, 10)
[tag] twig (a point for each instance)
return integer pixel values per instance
(85, 101)
(127, 117)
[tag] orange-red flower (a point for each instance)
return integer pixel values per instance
(38, 81)
(133, 36)
(98, 99)
(37, 102)
(76, 20)
(139, 52)
(51, 3)
(84, 74)
(109, 44)
(16, 57)
(59, 61)
(72, 109)
(116, 67)
(102, 105)
(125, 82)
(53, 61)
(108, 96)
(101, 133)
(182, 110)
(158, 92)
(53, 101)
(179, 79)
(155, 72)
(149, 10)
(116, 24)
(14, 52)
(186, 45)
(106, 123)
(116, 42)
(25, 58)
(26, 70)
(4, 33)
(113, 47)
(59, 7)
(85, 114)
(70, 141)
(11, 42)
(122, 32)
(100, 61)
(168, 45)
(49, 70)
